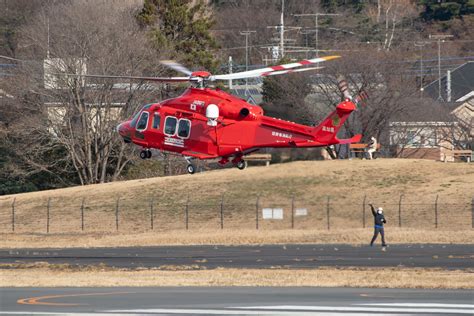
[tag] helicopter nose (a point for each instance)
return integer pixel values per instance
(123, 130)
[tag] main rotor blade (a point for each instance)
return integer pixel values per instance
(176, 66)
(280, 72)
(159, 79)
(259, 72)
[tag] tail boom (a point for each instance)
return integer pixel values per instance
(278, 133)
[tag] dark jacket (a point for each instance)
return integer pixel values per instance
(379, 219)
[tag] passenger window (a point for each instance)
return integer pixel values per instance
(170, 125)
(184, 127)
(156, 121)
(142, 122)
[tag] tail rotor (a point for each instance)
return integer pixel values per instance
(344, 89)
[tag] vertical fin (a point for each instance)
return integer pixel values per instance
(326, 131)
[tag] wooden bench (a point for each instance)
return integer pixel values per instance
(360, 148)
(462, 153)
(260, 157)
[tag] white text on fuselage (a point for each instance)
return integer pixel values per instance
(328, 129)
(193, 106)
(283, 135)
(176, 142)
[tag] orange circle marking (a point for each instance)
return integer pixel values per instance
(38, 300)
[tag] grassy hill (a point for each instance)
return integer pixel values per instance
(345, 183)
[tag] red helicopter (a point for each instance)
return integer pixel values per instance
(207, 123)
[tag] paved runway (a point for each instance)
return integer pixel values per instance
(265, 256)
(234, 301)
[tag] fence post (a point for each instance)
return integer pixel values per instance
(152, 216)
(256, 212)
(47, 215)
(82, 213)
(472, 212)
(363, 211)
(222, 211)
(187, 213)
(13, 214)
(400, 211)
(292, 212)
(117, 214)
(327, 210)
(436, 211)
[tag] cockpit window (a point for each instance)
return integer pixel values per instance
(184, 127)
(133, 123)
(170, 125)
(142, 122)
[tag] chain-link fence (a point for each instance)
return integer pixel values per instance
(78, 214)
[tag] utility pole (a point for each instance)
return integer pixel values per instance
(316, 27)
(306, 45)
(448, 86)
(246, 34)
(282, 30)
(420, 45)
(439, 38)
(47, 52)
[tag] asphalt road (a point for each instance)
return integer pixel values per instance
(234, 301)
(265, 256)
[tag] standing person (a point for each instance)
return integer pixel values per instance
(372, 147)
(379, 220)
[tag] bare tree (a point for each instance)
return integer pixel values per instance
(461, 135)
(382, 77)
(389, 14)
(76, 113)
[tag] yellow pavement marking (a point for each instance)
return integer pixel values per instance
(38, 300)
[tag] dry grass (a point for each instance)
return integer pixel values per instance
(322, 277)
(346, 182)
(232, 237)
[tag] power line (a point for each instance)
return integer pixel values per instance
(316, 27)
(10, 58)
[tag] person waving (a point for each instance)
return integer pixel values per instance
(379, 220)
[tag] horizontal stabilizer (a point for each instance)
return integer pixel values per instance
(351, 140)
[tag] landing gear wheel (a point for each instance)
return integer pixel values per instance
(242, 164)
(144, 154)
(148, 154)
(191, 169)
